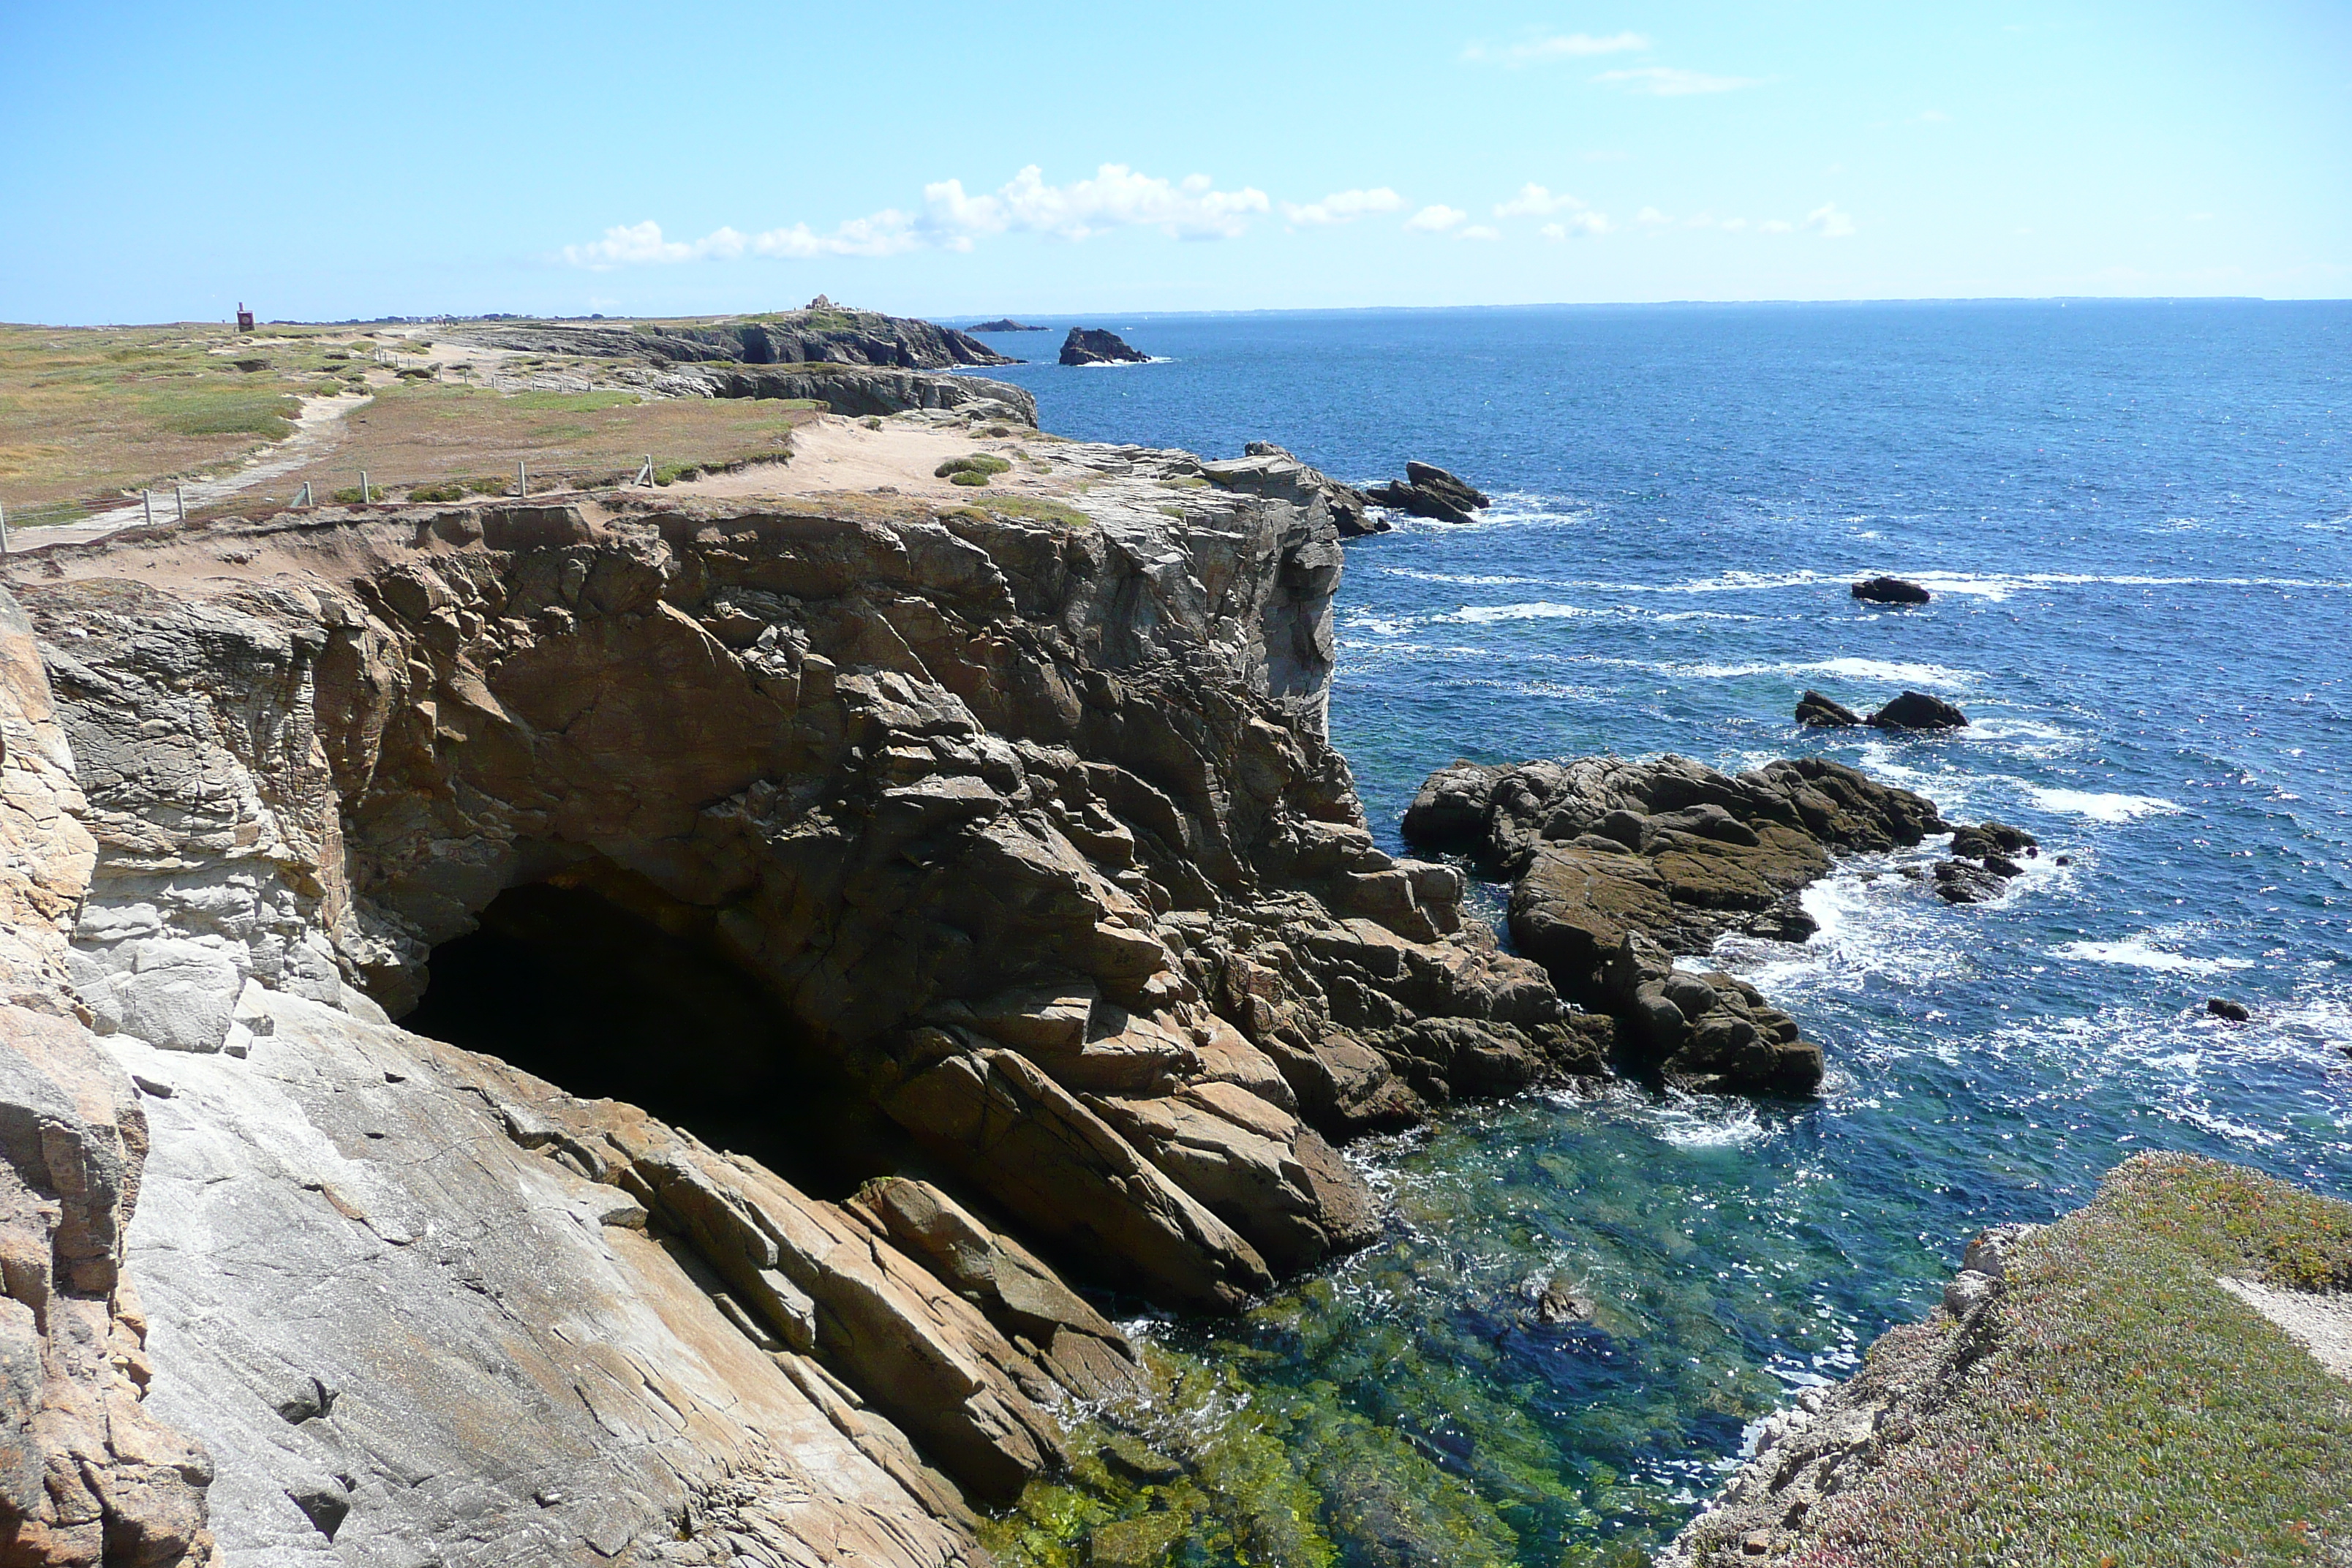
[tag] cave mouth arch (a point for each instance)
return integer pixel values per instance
(609, 1002)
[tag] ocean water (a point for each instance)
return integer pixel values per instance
(2137, 519)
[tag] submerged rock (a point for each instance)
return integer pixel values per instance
(1427, 491)
(1918, 710)
(1616, 865)
(2222, 1007)
(1820, 713)
(1092, 346)
(1890, 591)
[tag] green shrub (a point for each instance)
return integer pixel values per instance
(979, 463)
(967, 477)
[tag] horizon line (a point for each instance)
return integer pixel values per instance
(942, 317)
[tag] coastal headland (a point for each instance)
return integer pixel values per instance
(951, 807)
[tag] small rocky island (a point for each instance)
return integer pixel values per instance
(1890, 591)
(1093, 345)
(1428, 490)
(1003, 324)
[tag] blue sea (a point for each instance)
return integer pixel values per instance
(2137, 521)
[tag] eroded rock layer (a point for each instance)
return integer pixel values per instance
(1029, 827)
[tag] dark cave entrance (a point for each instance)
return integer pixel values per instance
(607, 1003)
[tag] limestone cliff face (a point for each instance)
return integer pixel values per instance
(1029, 827)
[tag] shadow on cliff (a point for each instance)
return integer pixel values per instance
(606, 1003)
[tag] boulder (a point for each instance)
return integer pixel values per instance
(1918, 710)
(1820, 713)
(1890, 591)
(1092, 346)
(2222, 1007)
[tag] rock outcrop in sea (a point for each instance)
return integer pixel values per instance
(1819, 712)
(1027, 830)
(1617, 865)
(1908, 710)
(1891, 591)
(1093, 345)
(1428, 490)
(1003, 324)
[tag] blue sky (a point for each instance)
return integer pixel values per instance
(332, 161)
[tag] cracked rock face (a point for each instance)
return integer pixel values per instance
(1029, 827)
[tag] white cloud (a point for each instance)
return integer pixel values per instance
(1558, 46)
(1829, 221)
(1480, 231)
(1932, 117)
(1670, 81)
(1775, 225)
(1115, 197)
(1434, 219)
(1343, 207)
(1585, 223)
(1534, 201)
(637, 243)
(1735, 224)
(1651, 217)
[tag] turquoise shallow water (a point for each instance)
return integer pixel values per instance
(2137, 521)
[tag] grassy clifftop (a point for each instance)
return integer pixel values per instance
(2113, 1405)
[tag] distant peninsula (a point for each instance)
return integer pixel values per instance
(1004, 324)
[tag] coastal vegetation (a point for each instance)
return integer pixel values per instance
(2131, 1410)
(89, 410)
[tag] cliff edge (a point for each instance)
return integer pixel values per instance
(1018, 822)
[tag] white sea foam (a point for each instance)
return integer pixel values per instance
(1546, 610)
(1479, 615)
(2099, 806)
(2138, 952)
(1858, 669)
(1999, 586)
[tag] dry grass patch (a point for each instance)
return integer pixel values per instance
(86, 412)
(431, 435)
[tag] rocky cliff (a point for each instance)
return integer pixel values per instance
(1064, 948)
(824, 333)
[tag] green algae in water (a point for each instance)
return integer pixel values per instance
(1410, 1405)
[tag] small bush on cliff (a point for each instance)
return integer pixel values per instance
(979, 464)
(2126, 1410)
